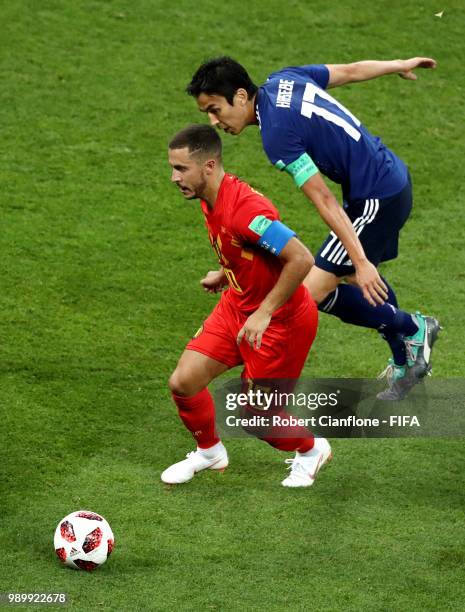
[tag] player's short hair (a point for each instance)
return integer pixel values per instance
(221, 76)
(201, 141)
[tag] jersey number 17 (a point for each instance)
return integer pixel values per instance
(309, 107)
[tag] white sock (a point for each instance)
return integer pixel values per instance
(213, 451)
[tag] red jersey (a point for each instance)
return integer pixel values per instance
(251, 270)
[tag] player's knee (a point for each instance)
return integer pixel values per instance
(182, 383)
(320, 284)
(351, 280)
(317, 292)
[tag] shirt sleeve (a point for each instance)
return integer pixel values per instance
(286, 151)
(282, 143)
(318, 72)
(256, 221)
(252, 218)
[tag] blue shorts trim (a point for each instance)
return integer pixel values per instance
(377, 222)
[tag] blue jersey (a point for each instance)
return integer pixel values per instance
(304, 129)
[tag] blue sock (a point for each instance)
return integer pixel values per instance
(392, 298)
(395, 340)
(397, 346)
(348, 304)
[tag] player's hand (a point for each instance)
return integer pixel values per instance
(215, 281)
(254, 328)
(409, 66)
(371, 283)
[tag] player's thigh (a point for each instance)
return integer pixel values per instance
(212, 351)
(194, 372)
(351, 279)
(320, 283)
(380, 240)
(377, 223)
(285, 346)
(392, 218)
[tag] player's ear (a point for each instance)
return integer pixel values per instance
(241, 97)
(210, 165)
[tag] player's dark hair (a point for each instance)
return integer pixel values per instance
(221, 76)
(200, 139)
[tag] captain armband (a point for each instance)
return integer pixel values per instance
(275, 237)
(301, 169)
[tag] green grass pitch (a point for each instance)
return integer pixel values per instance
(100, 262)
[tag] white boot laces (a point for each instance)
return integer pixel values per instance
(295, 466)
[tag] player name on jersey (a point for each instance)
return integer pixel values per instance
(284, 96)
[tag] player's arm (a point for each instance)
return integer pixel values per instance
(368, 278)
(306, 176)
(341, 74)
(214, 281)
(297, 261)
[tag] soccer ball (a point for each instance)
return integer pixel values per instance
(83, 540)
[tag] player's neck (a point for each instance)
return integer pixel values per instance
(211, 190)
(252, 115)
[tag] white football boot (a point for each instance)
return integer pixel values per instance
(214, 458)
(305, 467)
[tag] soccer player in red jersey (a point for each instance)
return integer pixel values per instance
(265, 319)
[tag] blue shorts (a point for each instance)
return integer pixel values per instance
(377, 224)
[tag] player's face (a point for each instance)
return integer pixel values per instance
(187, 174)
(230, 118)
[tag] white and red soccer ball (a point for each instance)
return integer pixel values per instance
(83, 540)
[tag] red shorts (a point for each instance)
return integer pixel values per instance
(285, 343)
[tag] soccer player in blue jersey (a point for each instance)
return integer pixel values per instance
(306, 132)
